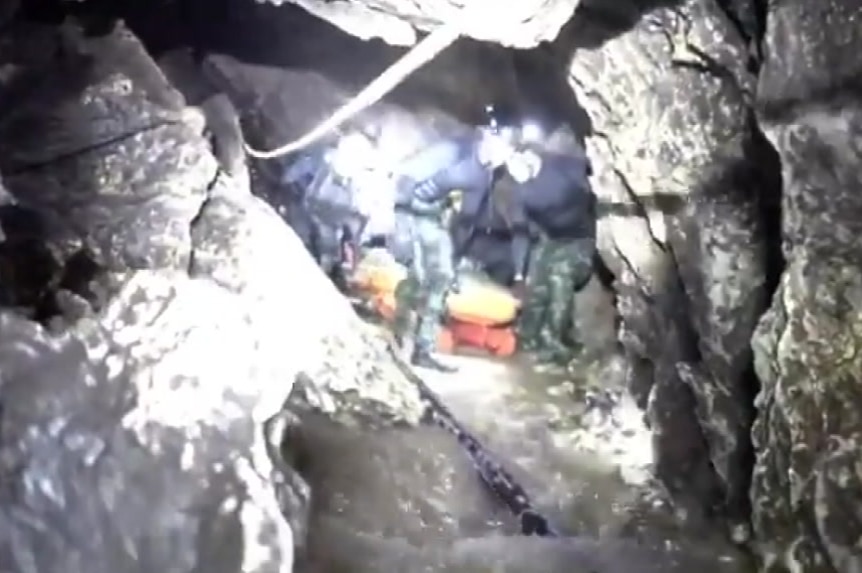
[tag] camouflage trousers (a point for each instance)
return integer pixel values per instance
(427, 252)
(558, 269)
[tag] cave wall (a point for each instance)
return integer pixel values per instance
(807, 475)
(522, 24)
(274, 38)
(673, 137)
(141, 414)
(680, 99)
(679, 94)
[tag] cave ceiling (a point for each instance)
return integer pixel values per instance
(513, 23)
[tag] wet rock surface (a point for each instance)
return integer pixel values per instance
(124, 223)
(676, 157)
(521, 25)
(807, 474)
(396, 499)
(121, 451)
(141, 428)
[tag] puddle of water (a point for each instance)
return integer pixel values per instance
(410, 500)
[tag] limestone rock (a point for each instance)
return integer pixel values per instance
(147, 431)
(594, 320)
(807, 478)
(521, 25)
(669, 95)
(285, 103)
(131, 444)
(238, 240)
(95, 139)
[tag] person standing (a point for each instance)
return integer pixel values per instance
(559, 201)
(426, 184)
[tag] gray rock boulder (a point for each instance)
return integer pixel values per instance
(669, 96)
(129, 445)
(807, 479)
(73, 107)
(145, 430)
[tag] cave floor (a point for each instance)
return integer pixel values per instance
(410, 500)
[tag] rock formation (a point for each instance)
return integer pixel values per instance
(807, 475)
(140, 413)
(670, 101)
(705, 115)
(523, 25)
(680, 95)
(697, 265)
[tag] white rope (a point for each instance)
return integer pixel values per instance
(420, 54)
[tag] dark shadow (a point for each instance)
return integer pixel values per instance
(545, 93)
(603, 273)
(666, 203)
(29, 270)
(282, 36)
(34, 108)
(288, 37)
(598, 21)
(767, 170)
(753, 183)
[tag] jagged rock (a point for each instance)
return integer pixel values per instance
(289, 38)
(130, 443)
(288, 102)
(133, 128)
(807, 477)
(521, 25)
(225, 132)
(94, 138)
(155, 420)
(669, 94)
(239, 240)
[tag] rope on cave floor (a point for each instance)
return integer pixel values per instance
(491, 471)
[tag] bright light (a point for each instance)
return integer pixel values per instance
(497, 147)
(524, 166)
(353, 154)
(531, 132)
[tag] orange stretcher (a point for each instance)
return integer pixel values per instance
(479, 317)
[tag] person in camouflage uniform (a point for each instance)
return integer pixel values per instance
(561, 207)
(425, 289)
(557, 270)
(421, 239)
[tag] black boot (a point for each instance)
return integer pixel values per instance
(422, 358)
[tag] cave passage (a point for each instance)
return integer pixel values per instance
(529, 88)
(638, 441)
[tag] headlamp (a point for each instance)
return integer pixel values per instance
(531, 132)
(352, 154)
